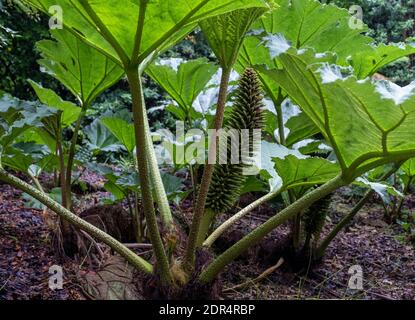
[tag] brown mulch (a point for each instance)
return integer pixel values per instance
(26, 254)
(388, 263)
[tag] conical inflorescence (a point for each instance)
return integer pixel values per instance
(245, 117)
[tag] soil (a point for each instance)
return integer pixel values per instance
(26, 253)
(387, 260)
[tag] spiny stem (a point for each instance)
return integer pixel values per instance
(68, 216)
(159, 190)
(207, 174)
(235, 218)
(259, 233)
(205, 226)
(62, 171)
(71, 155)
(296, 221)
(280, 116)
(65, 226)
(349, 217)
(402, 201)
(143, 158)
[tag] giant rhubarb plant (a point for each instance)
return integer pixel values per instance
(132, 33)
(326, 28)
(84, 71)
(225, 34)
(228, 178)
(344, 109)
(16, 118)
(367, 125)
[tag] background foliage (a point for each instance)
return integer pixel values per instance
(389, 21)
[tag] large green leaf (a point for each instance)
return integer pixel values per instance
(299, 23)
(70, 111)
(17, 160)
(302, 173)
(300, 128)
(100, 139)
(367, 62)
(286, 168)
(40, 136)
(225, 33)
(367, 124)
(309, 23)
(409, 168)
(266, 165)
(27, 157)
(83, 70)
(122, 130)
(18, 116)
(185, 83)
(111, 26)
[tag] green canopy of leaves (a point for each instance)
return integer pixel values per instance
(17, 116)
(70, 111)
(367, 124)
(185, 84)
(83, 70)
(303, 173)
(112, 26)
(225, 33)
(409, 168)
(309, 23)
(122, 130)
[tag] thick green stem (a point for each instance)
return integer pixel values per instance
(62, 175)
(235, 218)
(349, 217)
(71, 155)
(205, 224)
(210, 273)
(143, 157)
(402, 201)
(207, 174)
(296, 221)
(193, 177)
(296, 224)
(65, 226)
(159, 190)
(319, 252)
(135, 218)
(67, 215)
(277, 102)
